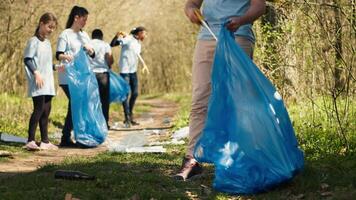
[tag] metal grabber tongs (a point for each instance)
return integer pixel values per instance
(204, 23)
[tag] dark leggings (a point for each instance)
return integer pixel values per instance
(104, 90)
(68, 124)
(41, 111)
(128, 105)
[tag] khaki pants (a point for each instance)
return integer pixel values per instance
(202, 63)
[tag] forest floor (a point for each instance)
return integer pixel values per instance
(157, 119)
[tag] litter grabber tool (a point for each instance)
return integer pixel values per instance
(145, 68)
(204, 23)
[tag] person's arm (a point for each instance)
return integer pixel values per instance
(89, 49)
(31, 66)
(118, 39)
(114, 42)
(256, 9)
(61, 47)
(63, 57)
(30, 52)
(85, 40)
(108, 55)
(189, 9)
(109, 59)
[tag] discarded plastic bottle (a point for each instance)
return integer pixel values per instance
(72, 175)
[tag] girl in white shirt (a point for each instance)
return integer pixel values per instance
(70, 41)
(38, 66)
(130, 50)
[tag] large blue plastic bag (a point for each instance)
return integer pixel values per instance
(248, 135)
(119, 88)
(89, 124)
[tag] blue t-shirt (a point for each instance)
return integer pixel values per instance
(217, 12)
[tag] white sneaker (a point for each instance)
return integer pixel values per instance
(48, 146)
(32, 146)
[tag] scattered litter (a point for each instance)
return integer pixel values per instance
(325, 194)
(117, 125)
(181, 133)
(153, 132)
(11, 138)
(205, 190)
(139, 149)
(5, 154)
(135, 197)
(173, 141)
(134, 143)
(135, 139)
(299, 196)
(56, 135)
(147, 121)
(121, 127)
(324, 186)
(72, 175)
(152, 149)
(166, 121)
(70, 197)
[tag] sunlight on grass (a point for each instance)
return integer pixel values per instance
(122, 175)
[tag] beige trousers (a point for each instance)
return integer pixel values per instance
(201, 80)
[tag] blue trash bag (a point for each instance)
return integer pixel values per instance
(119, 88)
(89, 124)
(248, 135)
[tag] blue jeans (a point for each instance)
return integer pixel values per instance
(129, 103)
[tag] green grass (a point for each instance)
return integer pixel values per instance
(17, 110)
(121, 176)
(182, 117)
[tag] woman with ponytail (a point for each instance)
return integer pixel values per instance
(131, 49)
(70, 41)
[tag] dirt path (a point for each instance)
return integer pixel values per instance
(160, 116)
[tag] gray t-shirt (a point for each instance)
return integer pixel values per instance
(70, 43)
(98, 63)
(131, 47)
(217, 12)
(41, 53)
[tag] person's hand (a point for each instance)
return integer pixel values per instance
(67, 57)
(190, 12)
(60, 68)
(233, 24)
(38, 79)
(121, 34)
(89, 49)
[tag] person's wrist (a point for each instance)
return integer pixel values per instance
(239, 22)
(190, 9)
(63, 57)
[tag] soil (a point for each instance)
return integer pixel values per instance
(159, 117)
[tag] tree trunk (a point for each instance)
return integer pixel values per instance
(338, 47)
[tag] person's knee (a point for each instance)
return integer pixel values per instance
(200, 98)
(199, 109)
(134, 95)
